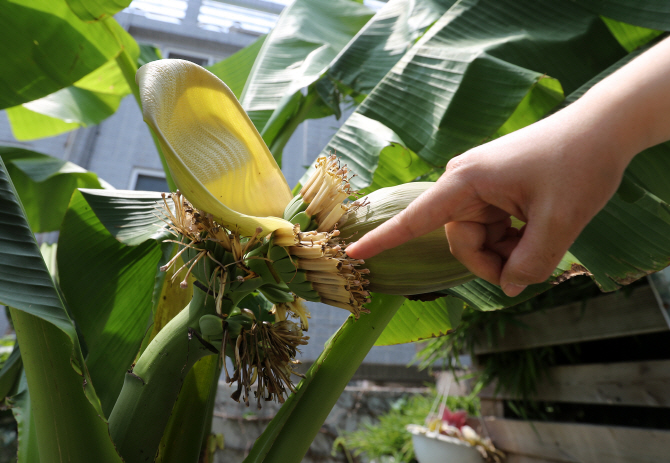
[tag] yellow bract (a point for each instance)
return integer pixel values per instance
(216, 156)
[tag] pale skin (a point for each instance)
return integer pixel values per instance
(554, 175)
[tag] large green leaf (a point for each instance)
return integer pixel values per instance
(90, 10)
(132, 217)
(235, 69)
(485, 296)
(382, 42)
(465, 77)
(45, 185)
(417, 320)
(375, 153)
(87, 102)
(108, 287)
(71, 107)
(378, 155)
(654, 14)
(479, 72)
(46, 47)
(307, 37)
(627, 240)
(29, 125)
(68, 419)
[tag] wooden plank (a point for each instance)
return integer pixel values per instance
(625, 383)
(579, 443)
(491, 407)
(608, 316)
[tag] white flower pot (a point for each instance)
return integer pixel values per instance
(432, 447)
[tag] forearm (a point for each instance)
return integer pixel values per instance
(628, 111)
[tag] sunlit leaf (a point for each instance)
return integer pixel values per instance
(61, 391)
(119, 284)
(62, 48)
(417, 320)
(45, 185)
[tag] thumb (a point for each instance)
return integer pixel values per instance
(538, 253)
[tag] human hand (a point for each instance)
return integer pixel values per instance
(554, 175)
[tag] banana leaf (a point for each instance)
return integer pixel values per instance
(68, 418)
(63, 49)
(45, 185)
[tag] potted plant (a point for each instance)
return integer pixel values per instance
(448, 437)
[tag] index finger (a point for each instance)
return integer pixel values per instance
(426, 213)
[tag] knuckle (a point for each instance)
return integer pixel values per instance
(457, 164)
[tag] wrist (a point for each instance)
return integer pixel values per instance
(603, 123)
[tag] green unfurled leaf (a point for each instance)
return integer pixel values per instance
(654, 14)
(542, 98)
(417, 320)
(47, 48)
(626, 240)
(648, 171)
(235, 69)
(29, 125)
(468, 80)
(71, 105)
(65, 403)
(482, 295)
(45, 185)
(375, 153)
(397, 165)
(93, 10)
(108, 286)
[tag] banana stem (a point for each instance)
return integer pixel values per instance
(290, 433)
(150, 389)
(277, 145)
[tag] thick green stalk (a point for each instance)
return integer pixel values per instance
(290, 433)
(191, 418)
(151, 388)
(277, 145)
(67, 427)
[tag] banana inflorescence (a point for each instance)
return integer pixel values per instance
(305, 263)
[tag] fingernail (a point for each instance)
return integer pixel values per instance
(512, 289)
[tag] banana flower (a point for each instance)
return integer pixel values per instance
(242, 230)
(216, 156)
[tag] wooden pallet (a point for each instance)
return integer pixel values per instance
(639, 383)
